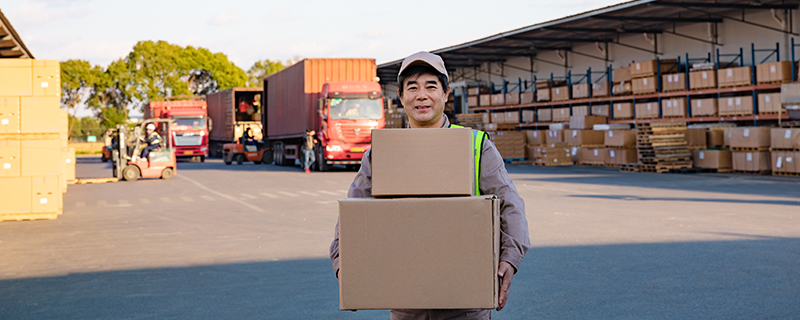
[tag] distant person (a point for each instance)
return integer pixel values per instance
(152, 139)
(309, 147)
(354, 110)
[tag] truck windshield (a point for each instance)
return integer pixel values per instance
(187, 123)
(355, 108)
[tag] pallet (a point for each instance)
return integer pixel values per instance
(28, 216)
(701, 89)
(628, 118)
(520, 162)
(774, 82)
(594, 164)
(786, 174)
(762, 172)
(95, 180)
(736, 114)
(672, 116)
(674, 90)
(509, 160)
(785, 149)
(698, 147)
(507, 126)
(630, 167)
(699, 170)
(615, 147)
(735, 84)
(553, 164)
(749, 149)
(774, 113)
(588, 146)
(643, 93)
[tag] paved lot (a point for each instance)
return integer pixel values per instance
(251, 242)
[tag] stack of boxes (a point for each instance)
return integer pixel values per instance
(580, 134)
(785, 148)
(774, 72)
(673, 82)
(622, 81)
(673, 107)
(704, 107)
(750, 149)
(472, 120)
(478, 94)
(600, 90)
(769, 103)
(561, 114)
(510, 144)
(534, 139)
(703, 77)
(543, 90)
(622, 110)
(734, 77)
(34, 157)
(438, 243)
(647, 110)
(580, 91)
(620, 147)
(735, 106)
(394, 118)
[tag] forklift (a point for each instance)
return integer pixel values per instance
(159, 163)
(246, 149)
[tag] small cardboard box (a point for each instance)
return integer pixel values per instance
(543, 94)
(419, 253)
(750, 137)
(715, 138)
(712, 159)
(544, 114)
(623, 110)
(396, 173)
(785, 138)
(526, 97)
(528, 116)
(620, 138)
(554, 136)
(751, 161)
(512, 117)
(673, 82)
(583, 137)
(586, 122)
(561, 114)
(472, 101)
(600, 89)
(704, 107)
(580, 91)
(620, 156)
(622, 74)
(536, 137)
(511, 98)
(593, 155)
(601, 110)
(560, 93)
(767, 103)
(498, 117)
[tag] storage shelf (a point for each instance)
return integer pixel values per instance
(687, 120)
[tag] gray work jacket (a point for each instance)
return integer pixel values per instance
(514, 238)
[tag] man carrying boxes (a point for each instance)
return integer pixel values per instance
(470, 239)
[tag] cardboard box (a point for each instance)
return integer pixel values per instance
(16, 195)
(526, 97)
(648, 68)
(673, 82)
(622, 74)
(554, 155)
(726, 137)
(512, 117)
(543, 94)
(40, 157)
(768, 103)
(485, 100)
(785, 161)
(510, 144)
(528, 116)
(586, 122)
(751, 161)
(498, 117)
(774, 72)
(674, 108)
(735, 106)
(600, 89)
(9, 115)
(622, 110)
(621, 88)
(593, 155)
(561, 114)
(647, 110)
(620, 156)
(790, 93)
(750, 137)
(560, 93)
(498, 99)
(472, 101)
(544, 114)
(785, 138)
(704, 107)
(715, 138)
(620, 138)
(731, 77)
(580, 110)
(10, 152)
(536, 137)
(69, 159)
(712, 159)
(580, 91)
(583, 137)
(46, 194)
(644, 85)
(433, 253)
(530, 152)
(16, 77)
(601, 110)
(702, 79)
(40, 115)
(554, 136)
(696, 138)
(46, 78)
(394, 174)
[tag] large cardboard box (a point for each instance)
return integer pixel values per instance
(498, 99)
(601, 110)
(498, 117)
(543, 94)
(785, 162)
(472, 101)
(647, 68)
(622, 88)
(696, 137)
(620, 156)
(622, 110)
(644, 85)
(485, 100)
(702, 79)
(790, 93)
(561, 114)
(673, 82)
(16, 77)
(554, 155)
(785, 138)
(751, 161)
(674, 108)
(512, 98)
(715, 138)
(750, 137)
(586, 122)
(647, 110)
(16, 195)
(712, 159)
(600, 89)
(10, 151)
(730, 77)
(528, 116)
(526, 97)
(510, 144)
(583, 137)
(622, 74)
(536, 137)
(582, 110)
(46, 194)
(512, 117)
(544, 114)
(9, 115)
(560, 93)
(735, 106)
(395, 167)
(704, 107)
(774, 72)
(46, 78)
(592, 155)
(40, 115)
(767, 103)
(40, 157)
(620, 138)
(580, 91)
(554, 136)
(419, 253)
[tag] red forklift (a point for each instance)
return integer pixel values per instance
(159, 163)
(246, 149)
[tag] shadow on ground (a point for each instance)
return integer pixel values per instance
(755, 278)
(742, 201)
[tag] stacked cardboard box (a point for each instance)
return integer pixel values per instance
(704, 107)
(33, 140)
(696, 138)
(439, 243)
(673, 82)
(601, 110)
(528, 116)
(790, 93)
(673, 108)
(585, 121)
(617, 157)
(774, 72)
(735, 106)
(702, 79)
(561, 114)
(544, 114)
(510, 144)
(552, 155)
(644, 85)
(583, 138)
(650, 68)
(543, 94)
(498, 99)
(533, 139)
(623, 142)
(580, 110)
(600, 89)
(472, 120)
(750, 146)
(580, 91)
(526, 97)
(592, 156)
(733, 77)
(647, 110)
(712, 159)
(396, 118)
(622, 110)
(554, 137)
(785, 151)
(560, 93)
(475, 97)
(769, 103)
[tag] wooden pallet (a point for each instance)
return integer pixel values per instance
(770, 113)
(735, 114)
(762, 172)
(701, 89)
(630, 167)
(553, 164)
(521, 161)
(588, 146)
(509, 160)
(785, 149)
(786, 174)
(95, 180)
(749, 149)
(28, 216)
(700, 170)
(735, 84)
(774, 82)
(595, 164)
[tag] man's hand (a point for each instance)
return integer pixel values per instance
(506, 272)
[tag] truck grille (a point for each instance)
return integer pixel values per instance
(181, 141)
(354, 132)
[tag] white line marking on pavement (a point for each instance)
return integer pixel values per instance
(101, 203)
(268, 195)
(328, 192)
(327, 202)
(343, 191)
(187, 199)
(166, 200)
(209, 198)
(123, 202)
(144, 200)
(247, 196)
(309, 193)
(288, 194)
(80, 204)
(231, 198)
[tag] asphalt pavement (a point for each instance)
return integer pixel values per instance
(251, 242)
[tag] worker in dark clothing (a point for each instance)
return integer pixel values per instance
(152, 139)
(309, 144)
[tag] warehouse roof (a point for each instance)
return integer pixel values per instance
(602, 26)
(11, 45)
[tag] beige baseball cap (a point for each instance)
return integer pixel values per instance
(424, 57)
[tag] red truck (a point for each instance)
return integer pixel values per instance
(190, 126)
(236, 112)
(338, 98)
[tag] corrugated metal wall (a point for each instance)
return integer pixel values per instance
(219, 105)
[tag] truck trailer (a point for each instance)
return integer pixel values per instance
(190, 126)
(340, 99)
(233, 111)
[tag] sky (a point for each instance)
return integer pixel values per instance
(248, 31)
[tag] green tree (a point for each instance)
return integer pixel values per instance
(262, 69)
(78, 79)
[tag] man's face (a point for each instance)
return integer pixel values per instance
(149, 131)
(423, 99)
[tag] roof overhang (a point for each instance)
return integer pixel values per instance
(11, 45)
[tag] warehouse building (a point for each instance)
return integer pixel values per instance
(707, 65)
(11, 45)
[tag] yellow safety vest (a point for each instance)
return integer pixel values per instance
(477, 148)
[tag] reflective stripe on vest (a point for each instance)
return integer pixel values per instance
(477, 148)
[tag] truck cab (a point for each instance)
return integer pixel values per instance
(189, 127)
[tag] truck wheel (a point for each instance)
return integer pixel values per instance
(167, 173)
(267, 157)
(202, 158)
(321, 163)
(239, 159)
(278, 154)
(130, 173)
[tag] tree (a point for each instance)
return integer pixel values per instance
(78, 79)
(262, 69)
